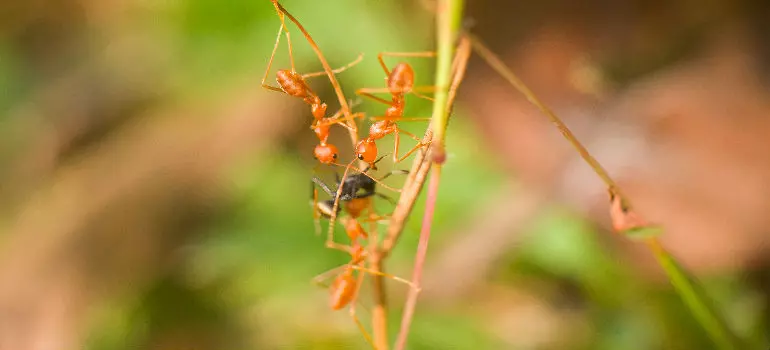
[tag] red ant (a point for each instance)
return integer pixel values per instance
(400, 81)
(294, 84)
(344, 288)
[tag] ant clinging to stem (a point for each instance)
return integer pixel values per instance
(294, 84)
(345, 287)
(400, 81)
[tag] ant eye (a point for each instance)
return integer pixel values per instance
(361, 157)
(334, 156)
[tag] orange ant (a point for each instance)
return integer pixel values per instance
(345, 287)
(400, 81)
(294, 84)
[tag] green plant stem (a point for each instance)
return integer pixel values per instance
(690, 292)
(449, 15)
(687, 287)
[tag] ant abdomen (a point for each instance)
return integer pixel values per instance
(292, 83)
(342, 290)
(381, 128)
(401, 79)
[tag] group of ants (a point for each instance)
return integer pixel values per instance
(354, 192)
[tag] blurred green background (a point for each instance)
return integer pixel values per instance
(155, 197)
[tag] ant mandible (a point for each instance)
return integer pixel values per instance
(294, 84)
(400, 81)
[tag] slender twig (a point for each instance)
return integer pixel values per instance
(380, 309)
(419, 260)
(514, 80)
(449, 15)
(409, 192)
(684, 283)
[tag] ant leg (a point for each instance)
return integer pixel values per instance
(403, 119)
(291, 51)
(367, 92)
(416, 92)
(401, 54)
(323, 186)
(316, 215)
(396, 135)
(406, 54)
(380, 183)
(337, 118)
(270, 62)
(390, 200)
(373, 193)
(338, 246)
(353, 117)
(336, 71)
(428, 88)
(352, 312)
(386, 275)
(333, 218)
(379, 218)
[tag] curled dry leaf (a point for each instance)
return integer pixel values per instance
(628, 222)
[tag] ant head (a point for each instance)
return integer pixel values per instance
(366, 150)
(325, 153)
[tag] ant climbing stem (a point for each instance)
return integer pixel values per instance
(345, 287)
(401, 69)
(327, 68)
(400, 81)
(294, 84)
